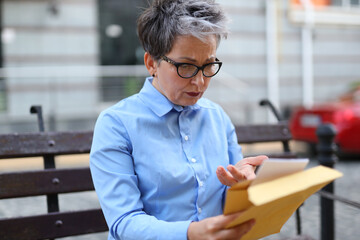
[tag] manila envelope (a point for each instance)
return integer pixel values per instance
(271, 203)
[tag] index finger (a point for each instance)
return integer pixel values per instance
(255, 161)
(246, 172)
(225, 177)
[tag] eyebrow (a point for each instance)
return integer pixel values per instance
(194, 61)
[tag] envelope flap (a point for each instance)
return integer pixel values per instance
(301, 181)
(272, 203)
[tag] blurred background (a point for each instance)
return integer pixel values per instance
(77, 57)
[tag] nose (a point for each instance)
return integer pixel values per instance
(198, 79)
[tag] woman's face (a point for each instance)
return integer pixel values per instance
(186, 49)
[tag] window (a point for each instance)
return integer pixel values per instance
(119, 45)
(342, 13)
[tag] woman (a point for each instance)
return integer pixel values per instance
(158, 158)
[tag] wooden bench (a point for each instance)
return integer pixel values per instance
(265, 133)
(51, 181)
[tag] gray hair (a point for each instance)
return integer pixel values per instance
(164, 20)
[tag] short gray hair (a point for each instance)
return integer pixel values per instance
(164, 20)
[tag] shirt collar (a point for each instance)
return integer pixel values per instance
(160, 105)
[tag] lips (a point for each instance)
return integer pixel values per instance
(193, 94)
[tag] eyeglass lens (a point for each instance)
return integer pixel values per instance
(188, 70)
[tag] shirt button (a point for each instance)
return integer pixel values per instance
(193, 160)
(186, 138)
(199, 210)
(201, 183)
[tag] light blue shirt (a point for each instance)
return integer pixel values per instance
(154, 164)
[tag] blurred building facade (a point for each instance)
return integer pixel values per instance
(77, 57)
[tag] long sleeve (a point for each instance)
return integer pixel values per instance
(154, 164)
(116, 184)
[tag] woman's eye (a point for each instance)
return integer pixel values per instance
(186, 67)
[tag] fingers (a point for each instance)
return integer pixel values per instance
(236, 232)
(240, 174)
(225, 177)
(254, 161)
(243, 228)
(246, 172)
(215, 228)
(219, 223)
(224, 220)
(248, 165)
(243, 170)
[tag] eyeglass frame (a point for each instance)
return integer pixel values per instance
(178, 64)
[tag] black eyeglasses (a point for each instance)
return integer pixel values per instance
(188, 70)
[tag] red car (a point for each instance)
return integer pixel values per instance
(343, 114)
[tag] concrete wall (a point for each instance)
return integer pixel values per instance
(64, 36)
(69, 39)
(40, 37)
(336, 60)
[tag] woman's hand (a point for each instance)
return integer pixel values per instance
(214, 228)
(243, 170)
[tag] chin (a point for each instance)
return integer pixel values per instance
(186, 101)
(189, 103)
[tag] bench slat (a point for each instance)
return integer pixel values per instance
(53, 225)
(263, 133)
(42, 182)
(44, 143)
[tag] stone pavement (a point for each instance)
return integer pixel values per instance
(347, 218)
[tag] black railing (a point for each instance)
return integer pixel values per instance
(326, 156)
(326, 149)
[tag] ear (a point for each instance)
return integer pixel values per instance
(150, 64)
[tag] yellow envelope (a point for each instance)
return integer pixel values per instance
(272, 203)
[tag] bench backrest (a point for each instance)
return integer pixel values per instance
(52, 181)
(49, 182)
(256, 133)
(264, 133)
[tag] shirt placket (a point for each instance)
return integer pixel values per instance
(193, 158)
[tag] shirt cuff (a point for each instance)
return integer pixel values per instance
(177, 231)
